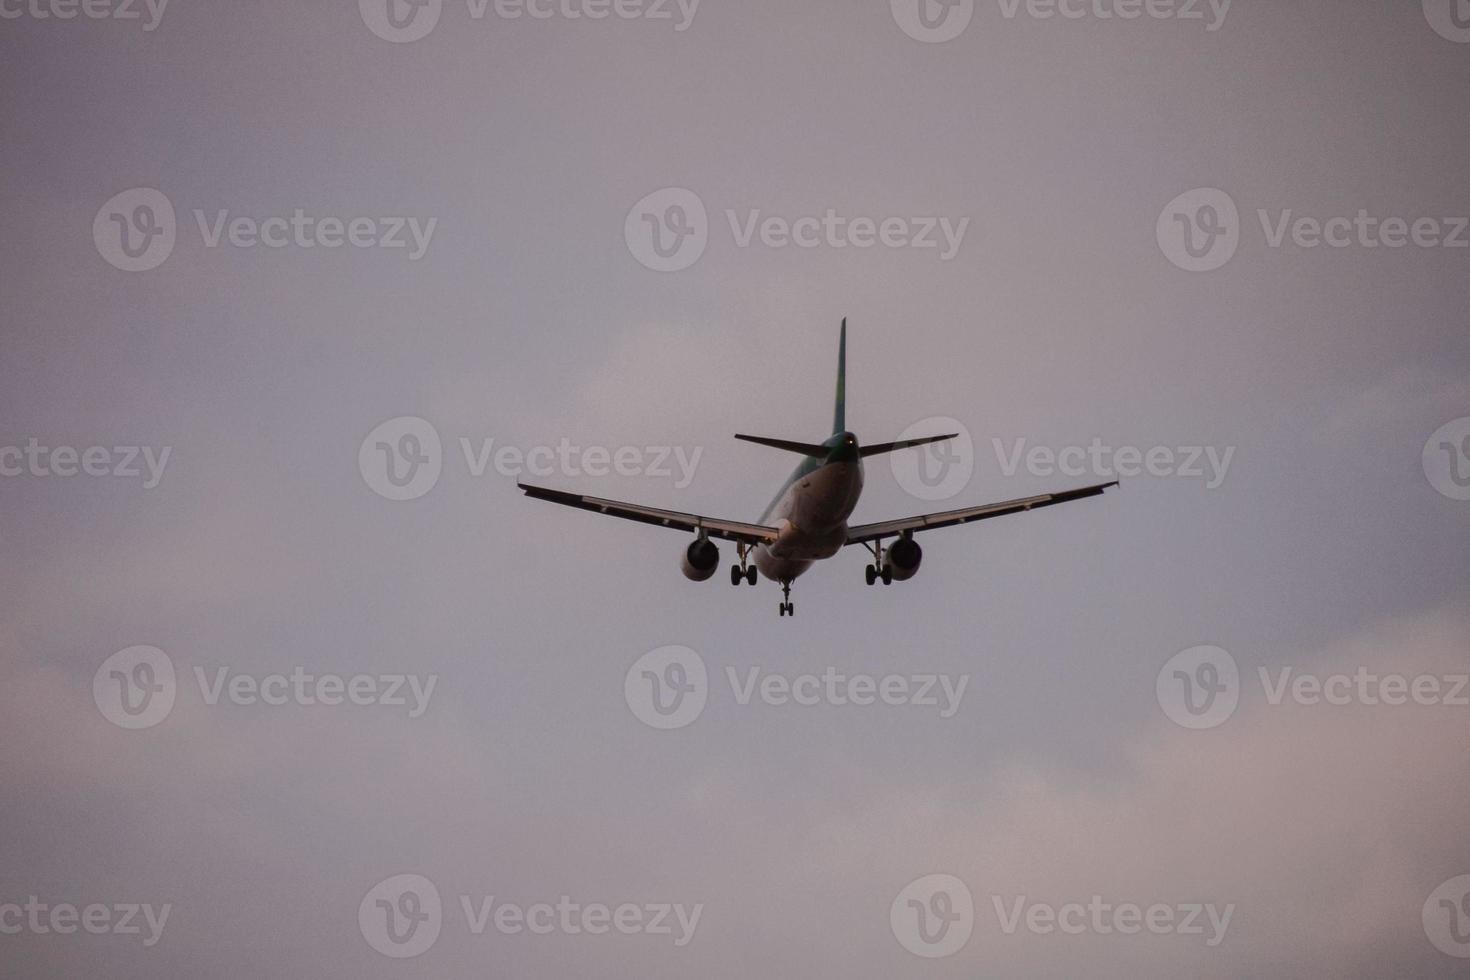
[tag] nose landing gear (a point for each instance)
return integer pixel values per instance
(787, 607)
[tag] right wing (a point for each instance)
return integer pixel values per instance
(715, 527)
(887, 529)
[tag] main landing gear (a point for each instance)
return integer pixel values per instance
(878, 570)
(787, 608)
(743, 570)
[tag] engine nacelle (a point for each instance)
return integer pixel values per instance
(902, 558)
(700, 560)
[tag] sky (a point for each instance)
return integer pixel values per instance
(297, 683)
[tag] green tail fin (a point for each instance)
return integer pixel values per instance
(839, 412)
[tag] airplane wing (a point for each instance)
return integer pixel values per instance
(713, 526)
(863, 533)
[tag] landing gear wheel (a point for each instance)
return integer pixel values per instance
(887, 576)
(750, 575)
(871, 574)
(787, 609)
(736, 574)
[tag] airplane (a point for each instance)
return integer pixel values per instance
(806, 522)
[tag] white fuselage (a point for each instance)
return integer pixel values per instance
(811, 514)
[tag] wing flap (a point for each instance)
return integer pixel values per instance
(715, 527)
(948, 518)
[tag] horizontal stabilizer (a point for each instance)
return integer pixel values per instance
(805, 448)
(888, 447)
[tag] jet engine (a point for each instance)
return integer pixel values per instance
(700, 560)
(902, 558)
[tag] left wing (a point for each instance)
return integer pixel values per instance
(715, 527)
(923, 522)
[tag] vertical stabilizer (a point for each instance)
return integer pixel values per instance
(839, 413)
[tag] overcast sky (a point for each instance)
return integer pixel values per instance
(273, 268)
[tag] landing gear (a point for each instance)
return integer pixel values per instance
(786, 607)
(878, 570)
(744, 570)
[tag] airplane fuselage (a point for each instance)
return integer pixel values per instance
(812, 509)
